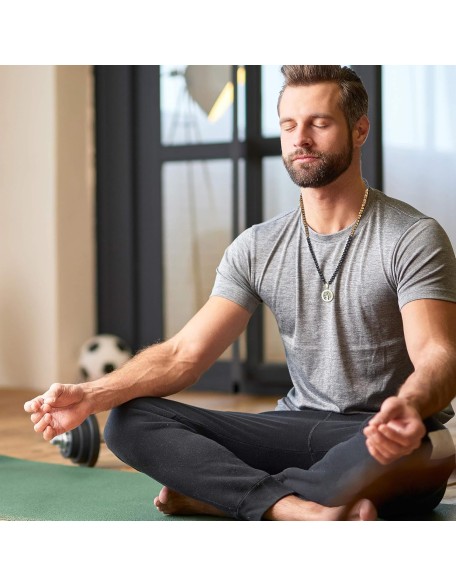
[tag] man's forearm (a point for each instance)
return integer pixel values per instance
(432, 386)
(159, 370)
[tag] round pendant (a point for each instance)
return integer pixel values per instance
(327, 295)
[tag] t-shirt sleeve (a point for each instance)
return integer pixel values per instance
(234, 275)
(424, 264)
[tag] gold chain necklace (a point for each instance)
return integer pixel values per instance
(327, 294)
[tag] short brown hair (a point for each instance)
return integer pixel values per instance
(354, 100)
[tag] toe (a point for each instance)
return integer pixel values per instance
(164, 494)
(367, 511)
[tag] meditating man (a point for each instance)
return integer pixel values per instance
(363, 288)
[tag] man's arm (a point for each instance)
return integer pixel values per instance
(430, 335)
(159, 370)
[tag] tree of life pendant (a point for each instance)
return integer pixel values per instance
(327, 295)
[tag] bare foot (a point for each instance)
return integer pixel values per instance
(363, 510)
(293, 508)
(289, 508)
(171, 502)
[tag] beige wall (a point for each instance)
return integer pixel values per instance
(46, 222)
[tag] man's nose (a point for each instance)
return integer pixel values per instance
(302, 138)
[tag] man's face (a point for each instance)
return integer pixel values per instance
(317, 146)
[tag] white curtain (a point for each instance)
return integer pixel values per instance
(419, 139)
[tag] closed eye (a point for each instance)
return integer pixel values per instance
(321, 121)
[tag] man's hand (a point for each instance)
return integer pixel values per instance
(60, 409)
(395, 431)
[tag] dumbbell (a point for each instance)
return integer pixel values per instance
(81, 444)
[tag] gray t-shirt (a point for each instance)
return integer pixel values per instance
(347, 355)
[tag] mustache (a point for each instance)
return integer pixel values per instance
(304, 153)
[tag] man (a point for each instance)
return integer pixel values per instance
(364, 291)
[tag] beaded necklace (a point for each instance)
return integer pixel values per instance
(327, 294)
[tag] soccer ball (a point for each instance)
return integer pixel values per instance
(101, 355)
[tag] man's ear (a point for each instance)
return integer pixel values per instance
(360, 131)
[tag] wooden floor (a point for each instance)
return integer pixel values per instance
(18, 440)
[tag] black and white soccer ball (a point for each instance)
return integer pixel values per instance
(101, 355)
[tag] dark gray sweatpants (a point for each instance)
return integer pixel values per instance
(243, 463)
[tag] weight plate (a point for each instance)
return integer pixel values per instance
(94, 431)
(80, 455)
(86, 441)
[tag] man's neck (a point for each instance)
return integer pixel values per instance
(334, 207)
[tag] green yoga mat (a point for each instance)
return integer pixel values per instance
(33, 491)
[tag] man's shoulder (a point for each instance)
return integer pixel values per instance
(396, 221)
(258, 236)
(279, 224)
(397, 210)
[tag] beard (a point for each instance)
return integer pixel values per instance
(328, 168)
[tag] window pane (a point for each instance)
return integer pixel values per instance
(241, 78)
(271, 84)
(280, 195)
(190, 112)
(197, 227)
(419, 139)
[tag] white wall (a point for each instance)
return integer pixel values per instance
(46, 222)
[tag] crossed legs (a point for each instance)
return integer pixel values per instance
(275, 465)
